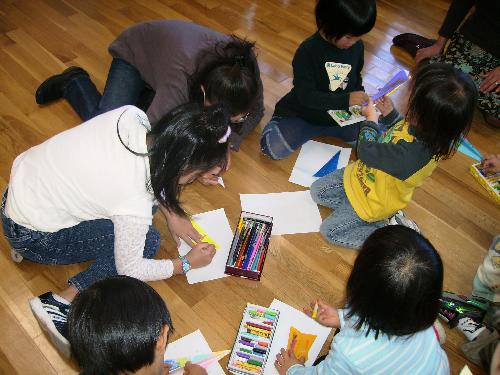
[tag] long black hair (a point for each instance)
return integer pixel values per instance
(396, 282)
(229, 74)
(114, 326)
(441, 107)
(185, 140)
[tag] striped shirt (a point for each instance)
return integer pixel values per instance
(352, 352)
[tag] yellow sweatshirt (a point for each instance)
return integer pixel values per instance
(388, 169)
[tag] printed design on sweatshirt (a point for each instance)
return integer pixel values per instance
(363, 174)
(396, 133)
(337, 75)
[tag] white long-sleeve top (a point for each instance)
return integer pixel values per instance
(86, 173)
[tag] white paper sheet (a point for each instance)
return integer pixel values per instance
(292, 212)
(220, 181)
(293, 317)
(191, 345)
(314, 155)
(215, 224)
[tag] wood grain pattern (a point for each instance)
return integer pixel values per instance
(40, 38)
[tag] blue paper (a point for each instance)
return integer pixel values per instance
(468, 149)
(329, 167)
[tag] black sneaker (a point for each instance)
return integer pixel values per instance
(411, 43)
(52, 317)
(53, 87)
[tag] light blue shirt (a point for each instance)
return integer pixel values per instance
(352, 352)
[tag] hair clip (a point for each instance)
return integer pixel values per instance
(224, 138)
(240, 60)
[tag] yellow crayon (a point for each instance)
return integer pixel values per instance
(315, 311)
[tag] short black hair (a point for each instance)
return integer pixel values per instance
(336, 18)
(229, 74)
(396, 282)
(114, 326)
(441, 107)
(183, 141)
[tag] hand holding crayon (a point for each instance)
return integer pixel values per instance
(200, 255)
(193, 369)
(326, 315)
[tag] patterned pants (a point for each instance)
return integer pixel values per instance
(474, 61)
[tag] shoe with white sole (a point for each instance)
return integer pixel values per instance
(399, 218)
(51, 313)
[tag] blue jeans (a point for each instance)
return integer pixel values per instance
(343, 227)
(87, 241)
(124, 85)
(283, 135)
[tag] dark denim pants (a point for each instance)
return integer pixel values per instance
(87, 241)
(283, 135)
(124, 85)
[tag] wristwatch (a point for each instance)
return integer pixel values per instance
(186, 266)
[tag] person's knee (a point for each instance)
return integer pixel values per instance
(273, 147)
(316, 191)
(336, 233)
(272, 142)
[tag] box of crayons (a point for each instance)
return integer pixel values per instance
(253, 342)
(249, 247)
(491, 182)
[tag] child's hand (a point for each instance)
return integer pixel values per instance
(286, 359)
(180, 227)
(200, 255)
(491, 163)
(370, 112)
(384, 105)
(327, 315)
(190, 369)
(357, 98)
(212, 176)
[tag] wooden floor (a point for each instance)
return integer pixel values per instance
(39, 38)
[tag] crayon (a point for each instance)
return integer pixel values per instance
(260, 356)
(257, 331)
(246, 343)
(315, 311)
(250, 356)
(254, 362)
(251, 336)
(259, 326)
(262, 351)
(251, 352)
(248, 366)
(259, 321)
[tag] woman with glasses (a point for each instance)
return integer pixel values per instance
(158, 65)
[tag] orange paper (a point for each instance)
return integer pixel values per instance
(300, 343)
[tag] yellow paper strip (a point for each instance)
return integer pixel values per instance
(204, 236)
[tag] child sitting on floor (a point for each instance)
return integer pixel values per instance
(121, 326)
(392, 302)
(369, 193)
(326, 76)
